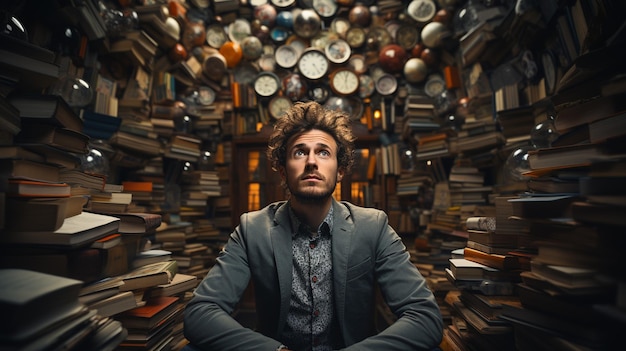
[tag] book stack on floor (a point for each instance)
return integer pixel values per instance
(43, 311)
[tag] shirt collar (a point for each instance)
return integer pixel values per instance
(325, 228)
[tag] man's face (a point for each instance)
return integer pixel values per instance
(311, 171)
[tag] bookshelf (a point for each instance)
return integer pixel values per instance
(166, 106)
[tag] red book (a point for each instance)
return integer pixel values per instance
(153, 313)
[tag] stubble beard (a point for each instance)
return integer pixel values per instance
(312, 198)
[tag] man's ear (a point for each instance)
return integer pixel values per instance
(283, 174)
(340, 174)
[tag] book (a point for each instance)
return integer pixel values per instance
(138, 223)
(465, 269)
(542, 206)
(150, 275)
(107, 242)
(50, 109)
(75, 231)
(61, 138)
(151, 256)
(151, 314)
(25, 169)
(20, 152)
(36, 214)
(33, 74)
(589, 111)
(33, 303)
(30, 188)
(570, 156)
(499, 261)
(179, 284)
(115, 304)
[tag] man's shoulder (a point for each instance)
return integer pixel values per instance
(359, 211)
(267, 211)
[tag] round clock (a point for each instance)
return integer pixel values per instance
(338, 51)
(313, 64)
(267, 62)
(355, 36)
(378, 37)
(435, 85)
(344, 82)
(386, 84)
(422, 10)
(340, 25)
(366, 86)
(294, 86)
(319, 93)
(216, 36)
(286, 56)
(325, 8)
(283, 4)
(266, 84)
(239, 29)
(357, 63)
(206, 95)
(278, 105)
(307, 23)
(407, 36)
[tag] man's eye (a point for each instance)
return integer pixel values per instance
(324, 153)
(299, 153)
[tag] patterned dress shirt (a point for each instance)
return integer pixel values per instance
(311, 309)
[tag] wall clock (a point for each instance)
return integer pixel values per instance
(266, 84)
(216, 36)
(313, 64)
(338, 51)
(294, 86)
(286, 56)
(344, 81)
(278, 105)
(355, 36)
(386, 84)
(325, 8)
(283, 4)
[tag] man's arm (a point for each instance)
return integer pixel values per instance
(207, 320)
(419, 325)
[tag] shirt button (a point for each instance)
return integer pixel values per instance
(312, 245)
(314, 279)
(316, 313)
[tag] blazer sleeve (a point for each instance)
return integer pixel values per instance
(208, 324)
(419, 325)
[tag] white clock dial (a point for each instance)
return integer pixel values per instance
(278, 105)
(325, 8)
(286, 56)
(313, 64)
(344, 82)
(386, 84)
(266, 84)
(338, 51)
(282, 4)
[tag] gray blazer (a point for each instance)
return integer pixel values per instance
(366, 252)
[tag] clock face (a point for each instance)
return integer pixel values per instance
(340, 25)
(344, 82)
(286, 56)
(338, 51)
(283, 3)
(325, 8)
(278, 105)
(239, 29)
(266, 84)
(355, 36)
(206, 95)
(216, 36)
(386, 84)
(313, 64)
(407, 36)
(357, 63)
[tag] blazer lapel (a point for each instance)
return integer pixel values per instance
(343, 232)
(281, 243)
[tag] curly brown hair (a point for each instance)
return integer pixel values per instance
(306, 116)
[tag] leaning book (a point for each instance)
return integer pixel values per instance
(78, 230)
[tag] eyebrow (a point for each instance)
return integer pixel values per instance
(303, 145)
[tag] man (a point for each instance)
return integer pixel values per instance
(315, 262)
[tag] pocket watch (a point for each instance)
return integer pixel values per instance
(340, 25)
(286, 56)
(266, 84)
(338, 51)
(278, 105)
(216, 36)
(386, 84)
(344, 81)
(313, 64)
(422, 10)
(355, 36)
(407, 36)
(325, 8)
(357, 63)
